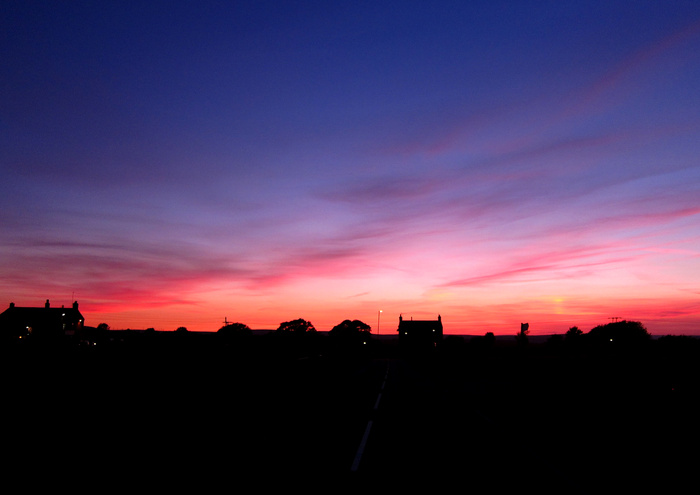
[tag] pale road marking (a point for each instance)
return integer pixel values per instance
(376, 404)
(361, 448)
(363, 442)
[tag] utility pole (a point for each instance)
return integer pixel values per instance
(615, 319)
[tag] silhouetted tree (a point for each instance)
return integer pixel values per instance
(620, 334)
(573, 334)
(298, 326)
(234, 329)
(296, 338)
(181, 329)
(234, 332)
(349, 334)
(354, 328)
(102, 327)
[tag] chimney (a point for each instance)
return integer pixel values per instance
(47, 305)
(75, 305)
(12, 305)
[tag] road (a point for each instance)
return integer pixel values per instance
(428, 433)
(507, 426)
(209, 422)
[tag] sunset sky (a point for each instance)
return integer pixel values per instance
(175, 163)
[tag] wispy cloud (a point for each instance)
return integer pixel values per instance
(549, 265)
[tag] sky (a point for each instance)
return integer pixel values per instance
(170, 163)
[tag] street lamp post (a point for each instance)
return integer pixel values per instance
(379, 313)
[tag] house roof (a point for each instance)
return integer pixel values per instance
(39, 316)
(420, 325)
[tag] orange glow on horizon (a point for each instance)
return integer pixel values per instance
(544, 316)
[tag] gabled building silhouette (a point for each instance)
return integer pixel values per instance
(420, 333)
(41, 323)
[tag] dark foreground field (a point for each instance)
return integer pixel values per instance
(497, 420)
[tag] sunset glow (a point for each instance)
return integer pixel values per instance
(494, 163)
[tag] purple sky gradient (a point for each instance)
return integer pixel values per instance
(172, 163)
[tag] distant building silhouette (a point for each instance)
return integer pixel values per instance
(41, 322)
(420, 333)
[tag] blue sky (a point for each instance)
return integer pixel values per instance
(172, 163)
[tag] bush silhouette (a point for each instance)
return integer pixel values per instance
(354, 330)
(620, 334)
(573, 334)
(234, 329)
(349, 334)
(298, 326)
(234, 333)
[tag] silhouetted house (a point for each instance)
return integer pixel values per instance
(43, 323)
(420, 333)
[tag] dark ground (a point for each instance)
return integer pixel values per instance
(497, 420)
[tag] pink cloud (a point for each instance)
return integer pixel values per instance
(545, 264)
